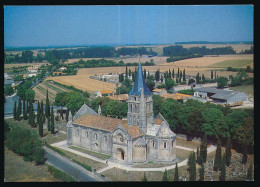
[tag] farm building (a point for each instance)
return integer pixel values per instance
(219, 96)
(158, 91)
(139, 139)
(177, 96)
(102, 93)
(120, 97)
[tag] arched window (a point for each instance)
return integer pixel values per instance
(105, 138)
(95, 136)
(152, 143)
(164, 145)
(120, 137)
(86, 134)
(77, 133)
(172, 143)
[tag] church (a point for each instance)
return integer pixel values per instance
(139, 139)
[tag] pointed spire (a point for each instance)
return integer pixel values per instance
(70, 116)
(139, 83)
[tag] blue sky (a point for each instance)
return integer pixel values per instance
(79, 25)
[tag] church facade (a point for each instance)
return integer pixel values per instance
(139, 139)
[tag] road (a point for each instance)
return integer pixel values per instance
(66, 165)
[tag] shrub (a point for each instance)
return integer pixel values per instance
(58, 174)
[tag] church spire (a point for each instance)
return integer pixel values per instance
(99, 110)
(139, 83)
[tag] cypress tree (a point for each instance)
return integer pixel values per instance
(250, 172)
(52, 120)
(217, 162)
(19, 110)
(198, 155)
(201, 172)
(42, 112)
(67, 115)
(178, 74)
(61, 113)
(176, 174)
(170, 74)
(40, 124)
(38, 112)
(211, 74)
(30, 113)
(47, 106)
(184, 76)
(215, 75)
(244, 158)
(165, 176)
(129, 72)
(28, 106)
(228, 152)
(14, 111)
(161, 79)
(144, 74)
(126, 72)
(173, 73)
(222, 176)
(24, 109)
(192, 167)
(203, 149)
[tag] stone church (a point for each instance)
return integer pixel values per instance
(139, 139)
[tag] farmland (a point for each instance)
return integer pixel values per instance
(192, 66)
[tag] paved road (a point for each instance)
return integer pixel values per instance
(66, 165)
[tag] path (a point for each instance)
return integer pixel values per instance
(66, 165)
(112, 164)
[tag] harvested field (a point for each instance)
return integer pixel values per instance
(231, 63)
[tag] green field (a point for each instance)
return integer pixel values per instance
(231, 63)
(248, 89)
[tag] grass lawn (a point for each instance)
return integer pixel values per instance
(185, 143)
(96, 165)
(48, 137)
(248, 89)
(231, 63)
(17, 170)
(98, 155)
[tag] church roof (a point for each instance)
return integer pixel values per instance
(140, 141)
(85, 109)
(106, 124)
(139, 83)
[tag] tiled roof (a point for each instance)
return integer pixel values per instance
(85, 109)
(158, 90)
(158, 121)
(106, 124)
(121, 97)
(176, 96)
(139, 83)
(106, 91)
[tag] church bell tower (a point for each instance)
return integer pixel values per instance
(140, 103)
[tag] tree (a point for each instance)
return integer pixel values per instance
(25, 116)
(198, 159)
(176, 175)
(169, 83)
(222, 82)
(211, 74)
(39, 113)
(203, 149)
(203, 79)
(67, 115)
(126, 72)
(184, 76)
(178, 74)
(30, 94)
(201, 172)
(218, 157)
(52, 120)
(244, 157)
(195, 122)
(14, 111)
(222, 176)
(157, 75)
(42, 112)
(250, 172)
(47, 106)
(165, 176)
(144, 179)
(228, 152)
(19, 110)
(192, 166)
(173, 73)
(40, 123)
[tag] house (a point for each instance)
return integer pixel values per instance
(139, 139)
(120, 97)
(31, 74)
(58, 73)
(102, 93)
(220, 96)
(62, 68)
(177, 96)
(32, 69)
(158, 91)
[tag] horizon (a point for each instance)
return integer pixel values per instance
(114, 25)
